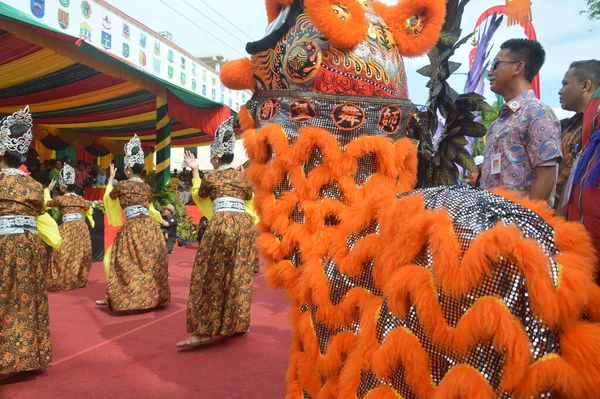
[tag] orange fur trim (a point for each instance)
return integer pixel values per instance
(580, 347)
(487, 319)
(405, 227)
(593, 306)
(464, 382)
(539, 207)
(573, 237)
(405, 154)
(246, 121)
(359, 359)
(383, 392)
(344, 33)
(549, 373)
(401, 347)
(396, 18)
(237, 75)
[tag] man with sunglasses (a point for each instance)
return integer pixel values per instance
(523, 147)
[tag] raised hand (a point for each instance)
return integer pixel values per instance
(52, 185)
(190, 160)
(113, 172)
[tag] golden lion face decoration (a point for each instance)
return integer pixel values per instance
(349, 47)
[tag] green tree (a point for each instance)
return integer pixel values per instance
(487, 117)
(593, 11)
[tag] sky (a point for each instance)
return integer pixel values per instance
(198, 28)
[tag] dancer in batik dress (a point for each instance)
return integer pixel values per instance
(24, 325)
(137, 265)
(70, 265)
(223, 273)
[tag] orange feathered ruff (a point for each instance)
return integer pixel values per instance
(431, 15)
(343, 22)
(405, 227)
(518, 11)
(237, 75)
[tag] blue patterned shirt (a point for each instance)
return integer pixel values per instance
(526, 135)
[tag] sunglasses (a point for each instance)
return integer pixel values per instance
(495, 63)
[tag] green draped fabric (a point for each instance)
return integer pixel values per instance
(70, 152)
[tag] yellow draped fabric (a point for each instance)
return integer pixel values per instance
(250, 209)
(155, 214)
(41, 63)
(114, 213)
(72, 54)
(149, 162)
(47, 197)
(174, 134)
(107, 93)
(44, 152)
(106, 261)
(105, 161)
(90, 216)
(205, 205)
(148, 116)
(48, 230)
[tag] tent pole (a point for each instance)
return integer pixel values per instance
(163, 144)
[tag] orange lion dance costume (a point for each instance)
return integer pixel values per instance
(438, 293)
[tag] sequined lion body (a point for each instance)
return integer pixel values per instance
(437, 293)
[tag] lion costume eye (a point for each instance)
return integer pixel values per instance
(415, 24)
(343, 22)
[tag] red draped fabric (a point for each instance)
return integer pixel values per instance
(88, 158)
(89, 85)
(94, 193)
(207, 120)
(132, 110)
(12, 48)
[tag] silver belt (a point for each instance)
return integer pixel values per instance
(229, 204)
(71, 217)
(135, 210)
(17, 224)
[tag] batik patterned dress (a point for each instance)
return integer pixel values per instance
(223, 273)
(138, 277)
(24, 324)
(70, 265)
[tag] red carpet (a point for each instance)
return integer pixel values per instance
(97, 354)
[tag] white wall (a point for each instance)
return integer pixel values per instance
(204, 157)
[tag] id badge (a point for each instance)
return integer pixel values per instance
(496, 164)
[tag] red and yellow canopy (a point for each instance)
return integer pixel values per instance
(82, 97)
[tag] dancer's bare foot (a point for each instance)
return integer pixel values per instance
(194, 341)
(101, 302)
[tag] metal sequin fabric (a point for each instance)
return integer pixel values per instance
(471, 212)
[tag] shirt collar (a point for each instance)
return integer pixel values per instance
(516, 103)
